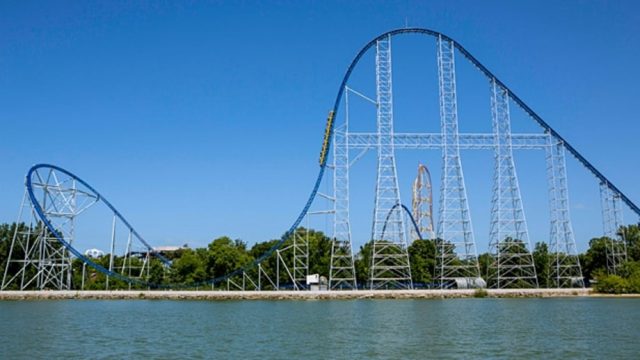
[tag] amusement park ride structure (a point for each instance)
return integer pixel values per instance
(422, 204)
(55, 199)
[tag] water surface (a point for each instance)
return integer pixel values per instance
(340, 329)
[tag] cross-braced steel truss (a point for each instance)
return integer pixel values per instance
(565, 265)
(301, 257)
(44, 249)
(456, 251)
(509, 246)
(612, 221)
(457, 260)
(389, 258)
(422, 204)
(342, 273)
(42, 261)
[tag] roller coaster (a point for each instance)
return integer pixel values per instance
(56, 198)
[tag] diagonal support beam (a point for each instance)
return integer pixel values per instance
(508, 236)
(456, 251)
(565, 265)
(612, 221)
(389, 258)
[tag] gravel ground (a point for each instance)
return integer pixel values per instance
(293, 295)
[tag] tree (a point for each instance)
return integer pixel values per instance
(542, 262)
(512, 268)
(189, 268)
(422, 257)
(595, 259)
(612, 284)
(156, 272)
(319, 252)
(362, 263)
(23, 231)
(225, 255)
(268, 265)
(631, 234)
(487, 270)
(5, 243)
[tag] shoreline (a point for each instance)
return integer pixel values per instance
(298, 295)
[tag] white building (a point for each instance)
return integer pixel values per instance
(94, 253)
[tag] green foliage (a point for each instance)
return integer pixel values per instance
(269, 264)
(362, 264)
(513, 246)
(595, 259)
(224, 255)
(319, 253)
(5, 243)
(627, 282)
(594, 263)
(190, 267)
(631, 272)
(422, 257)
(480, 293)
(486, 261)
(631, 235)
(156, 272)
(542, 262)
(7, 232)
(612, 284)
(513, 264)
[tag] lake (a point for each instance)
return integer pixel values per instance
(336, 329)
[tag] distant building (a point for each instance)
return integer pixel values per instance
(315, 282)
(94, 253)
(168, 249)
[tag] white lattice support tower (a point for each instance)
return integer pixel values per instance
(342, 274)
(456, 251)
(422, 204)
(509, 245)
(565, 265)
(612, 221)
(301, 256)
(43, 262)
(389, 258)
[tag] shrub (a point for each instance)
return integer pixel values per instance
(612, 284)
(634, 284)
(480, 293)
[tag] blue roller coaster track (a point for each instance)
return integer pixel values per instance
(408, 212)
(420, 31)
(323, 163)
(38, 208)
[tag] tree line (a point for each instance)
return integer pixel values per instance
(224, 255)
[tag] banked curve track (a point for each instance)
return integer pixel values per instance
(40, 211)
(329, 132)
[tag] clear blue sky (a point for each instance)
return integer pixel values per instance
(205, 119)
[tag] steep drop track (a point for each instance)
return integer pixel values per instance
(327, 144)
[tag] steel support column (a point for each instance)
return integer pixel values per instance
(565, 265)
(342, 274)
(612, 221)
(389, 258)
(508, 236)
(301, 256)
(456, 248)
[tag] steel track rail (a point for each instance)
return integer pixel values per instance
(486, 72)
(47, 222)
(419, 31)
